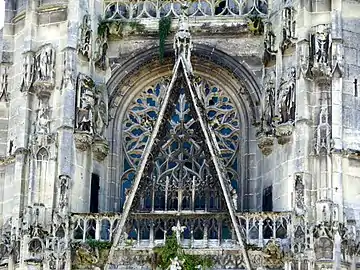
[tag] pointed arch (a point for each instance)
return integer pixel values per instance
(42, 164)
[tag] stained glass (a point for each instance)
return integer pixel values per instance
(181, 167)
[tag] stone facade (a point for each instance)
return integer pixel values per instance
(236, 130)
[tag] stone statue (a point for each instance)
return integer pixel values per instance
(101, 111)
(321, 43)
(86, 103)
(175, 264)
(182, 40)
(268, 105)
(286, 97)
(42, 123)
(100, 57)
(322, 47)
(45, 62)
(299, 205)
(178, 229)
(269, 44)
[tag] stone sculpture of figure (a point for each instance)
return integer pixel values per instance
(178, 229)
(101, 111)
(86, 100)
(322, 47)
(101, 51)
(42, 123)
(286, 97)
(268, 111)
(45, 64)
(182, 40)
(175, 264)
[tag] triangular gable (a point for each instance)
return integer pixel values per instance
(182, 73)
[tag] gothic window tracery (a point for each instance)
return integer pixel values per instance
(180, 179)
(42, 160)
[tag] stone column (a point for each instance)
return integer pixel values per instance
(20, 121)
(66, 145)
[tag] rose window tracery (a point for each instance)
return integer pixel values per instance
(180, 179)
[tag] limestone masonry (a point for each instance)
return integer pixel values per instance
(226, 132)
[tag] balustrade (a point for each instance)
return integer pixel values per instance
(147, 9)
(201, 230)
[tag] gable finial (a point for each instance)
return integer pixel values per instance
(182, 40)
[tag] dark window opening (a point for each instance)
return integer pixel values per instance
(267, 203)
(355, 88)
(94, 195)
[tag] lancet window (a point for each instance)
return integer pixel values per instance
(42, 160)
(180, 179)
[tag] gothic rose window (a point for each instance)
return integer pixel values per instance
(180, 179)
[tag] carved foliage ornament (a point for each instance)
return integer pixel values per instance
(273, 256)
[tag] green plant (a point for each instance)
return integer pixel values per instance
(255, 25)
(138, 27)
(98, 244)
(164, 31)
(103, 28)
(172, 249)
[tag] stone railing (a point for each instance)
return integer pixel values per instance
(155, 9)
(258, 228)
(94, 226)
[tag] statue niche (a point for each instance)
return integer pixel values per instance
(84, 44)
(85, 103)
(269, 45)
(288, 29)
(286, 97)
(268, 105)
(286, 106)
(321, 52)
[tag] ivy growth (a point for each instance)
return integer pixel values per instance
(172, 249)
(103, 28)
(98, 244)
(255, 25)
(164, 31)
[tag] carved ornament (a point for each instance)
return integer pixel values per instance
(273, 256)
(100, 148)
(265, 143)
(83, 140)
